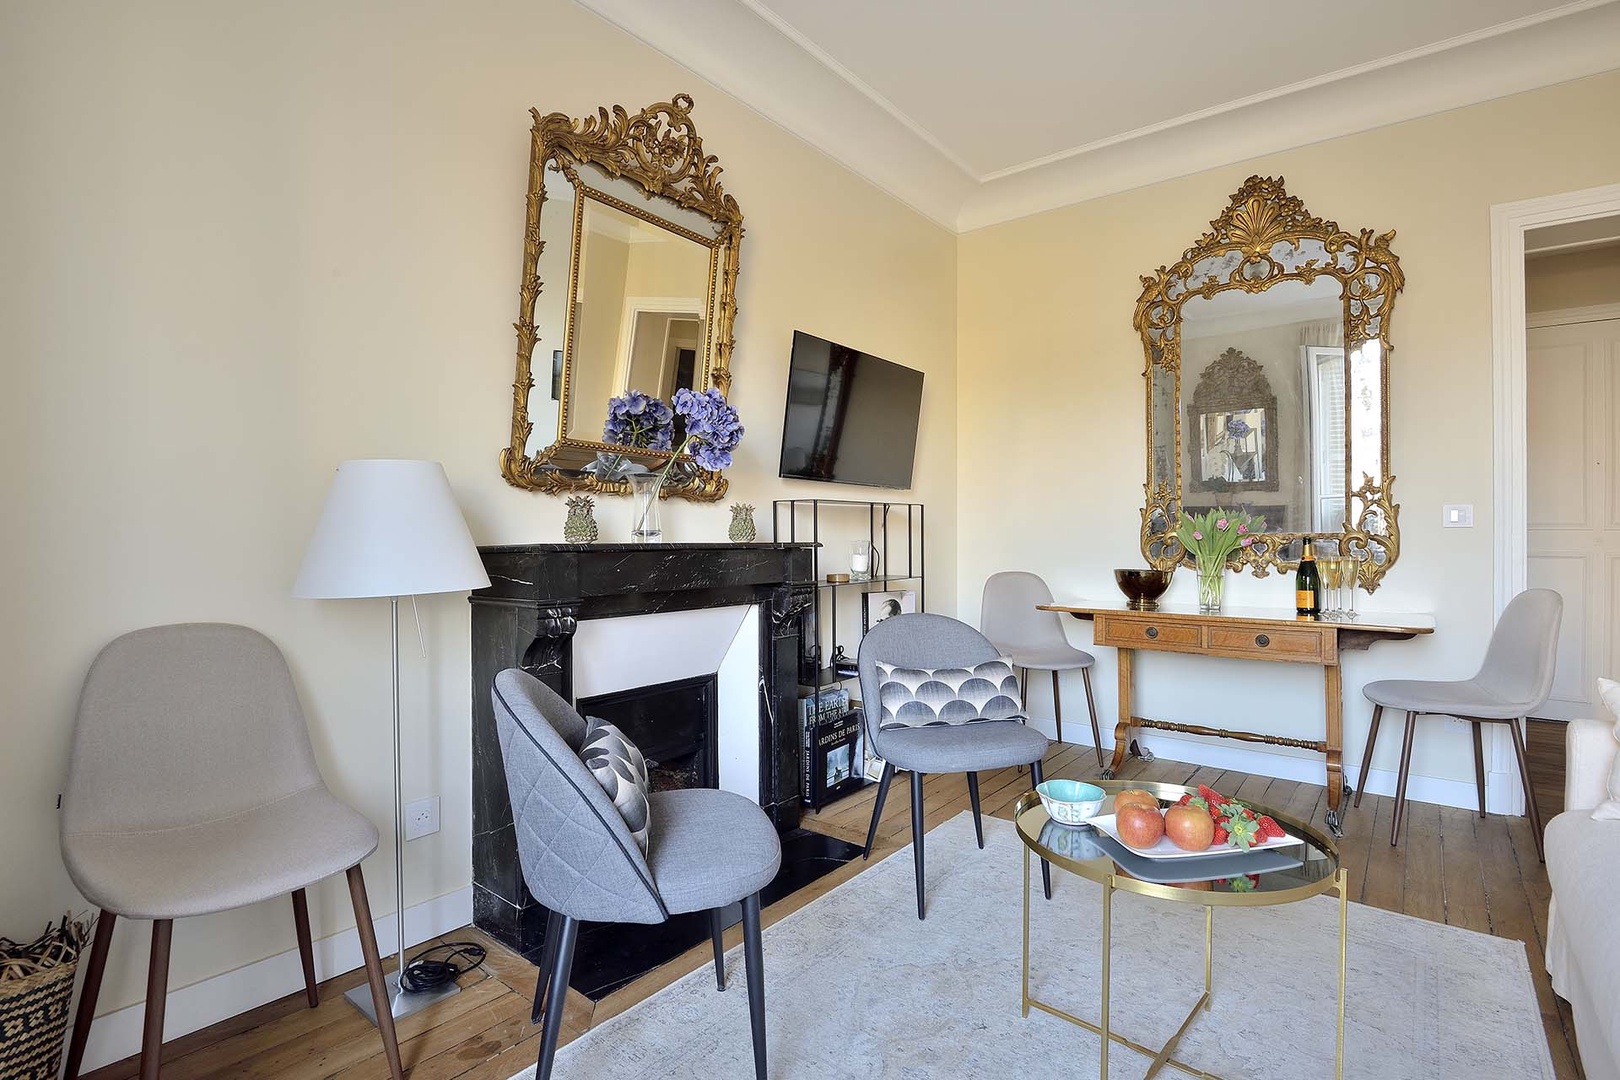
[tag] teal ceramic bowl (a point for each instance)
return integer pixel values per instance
(1070, 802)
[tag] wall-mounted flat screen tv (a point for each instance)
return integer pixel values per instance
(851, 417)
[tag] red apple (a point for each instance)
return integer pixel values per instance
(1189, 828)
(1135, 797)
(1139, 827)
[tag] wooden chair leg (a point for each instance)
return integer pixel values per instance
(973, 797)
(1057, 704)
(717, 932)
(306, 946)
(548, 959)
(1366, 755)
(754, 960)
(1479, 763)
(1091, 705)
(567, 934)
(877, 808)
(157, 993)
(374, 972)
(1046, 867)
(94, 969)
(1529, 792)
(917, 835)
(1400, 780)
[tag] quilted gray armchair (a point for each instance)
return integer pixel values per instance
(706, 849)
(935, 641)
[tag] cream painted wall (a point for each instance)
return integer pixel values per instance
(245, 242)
(1573, 280)
(1051, 395)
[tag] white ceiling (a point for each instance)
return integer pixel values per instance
(976, 111)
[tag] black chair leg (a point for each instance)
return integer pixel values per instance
(1529, 792)
(567, 934)
(877, 808)
(96, 967)
(1400, 779)
(157, 994)
(548, 960)
(1057, 705)
(1479, 764)
(1046, 867)
(973, 796)
(1366, 755)
(917, 835)
(1091, 705)
(717, 931)
(754, 962)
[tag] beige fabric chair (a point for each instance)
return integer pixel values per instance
(1513, 682)
(192, 789)
(1034, 640)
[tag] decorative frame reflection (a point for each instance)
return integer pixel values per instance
(1266, 236)
(661, 153)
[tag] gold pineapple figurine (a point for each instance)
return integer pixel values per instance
(742, 524)
(580, 528)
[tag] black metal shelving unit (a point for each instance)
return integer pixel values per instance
(898, 531)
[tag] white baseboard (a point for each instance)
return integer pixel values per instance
(1310, 770)
(117, 1034)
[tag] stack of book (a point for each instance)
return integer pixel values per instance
(831, 759)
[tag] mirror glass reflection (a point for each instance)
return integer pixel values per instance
(1264, 410)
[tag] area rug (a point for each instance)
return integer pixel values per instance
(856, 986)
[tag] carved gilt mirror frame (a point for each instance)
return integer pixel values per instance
(659, 152)
(1263, 238)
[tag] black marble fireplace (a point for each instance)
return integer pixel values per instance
(528, 617)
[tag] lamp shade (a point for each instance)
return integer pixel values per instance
(389, 528)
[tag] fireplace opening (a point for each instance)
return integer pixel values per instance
(674, 724)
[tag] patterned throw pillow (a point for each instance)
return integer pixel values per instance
(621, 770)
(919, 697)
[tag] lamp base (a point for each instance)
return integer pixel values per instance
(404, 1002)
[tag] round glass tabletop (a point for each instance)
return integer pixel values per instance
(1277, 875)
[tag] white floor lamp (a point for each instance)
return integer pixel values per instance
(391, 528)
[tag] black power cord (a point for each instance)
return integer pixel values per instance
(427, 973)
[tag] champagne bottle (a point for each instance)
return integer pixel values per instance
(1307, 585)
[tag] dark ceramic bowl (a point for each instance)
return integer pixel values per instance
(1142, 588)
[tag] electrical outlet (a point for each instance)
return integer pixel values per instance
(1458, 516)
(422, 818)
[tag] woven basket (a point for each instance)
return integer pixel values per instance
(36, 985)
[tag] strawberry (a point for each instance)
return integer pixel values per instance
(1244, 832)
(1184, 800)
(1268, 829)
(1220, 835)
(1210, 795)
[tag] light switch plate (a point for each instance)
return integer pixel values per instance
(422, 818)
(1458, 516)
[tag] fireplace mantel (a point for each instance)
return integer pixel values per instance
(528, 617)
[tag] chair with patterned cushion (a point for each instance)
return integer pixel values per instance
(933, 642)
(705, 850)
(192, 788)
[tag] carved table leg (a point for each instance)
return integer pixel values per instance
(1123, 739)
(1333, 695)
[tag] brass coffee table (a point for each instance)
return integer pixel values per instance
(1238, 881)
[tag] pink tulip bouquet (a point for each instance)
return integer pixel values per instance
(1211, 538)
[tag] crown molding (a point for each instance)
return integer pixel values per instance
(747, 51)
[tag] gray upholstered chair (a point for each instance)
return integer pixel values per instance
(936, 641)
(706, 850)
(192, 788)
(1034, 639)
(1514, 681)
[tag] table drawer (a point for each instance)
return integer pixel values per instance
(1303, 645)
(1148, 633)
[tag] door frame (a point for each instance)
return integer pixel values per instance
(1509, 362)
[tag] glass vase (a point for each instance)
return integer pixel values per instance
(1211, 584)
(645, 527)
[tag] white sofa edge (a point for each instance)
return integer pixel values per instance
(1589, 753)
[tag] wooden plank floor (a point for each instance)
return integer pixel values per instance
(1452, 868)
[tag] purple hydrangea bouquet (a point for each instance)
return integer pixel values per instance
(712, 431)
(1211, 538)
(639, 420)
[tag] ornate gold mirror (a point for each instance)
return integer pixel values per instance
(629, 284)
(1279, 322)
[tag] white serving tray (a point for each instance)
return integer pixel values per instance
(1166, 848)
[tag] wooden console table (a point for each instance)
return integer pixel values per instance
(1242, 634)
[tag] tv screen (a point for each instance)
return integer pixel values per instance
(851, 417)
